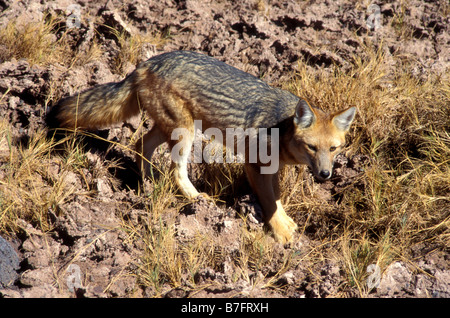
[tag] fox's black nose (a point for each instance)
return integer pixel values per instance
(325, 174)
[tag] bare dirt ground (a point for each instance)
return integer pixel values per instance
(89, 250)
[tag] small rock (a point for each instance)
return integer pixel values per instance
(9, 263)
(395, 279)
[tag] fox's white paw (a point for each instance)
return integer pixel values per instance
(283, 227)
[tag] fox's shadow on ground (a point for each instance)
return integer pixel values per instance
(126, 170)
(96, 142)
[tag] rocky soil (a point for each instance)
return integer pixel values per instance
(87, 253)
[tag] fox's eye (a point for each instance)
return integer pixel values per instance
(311, 147)
(332, 149)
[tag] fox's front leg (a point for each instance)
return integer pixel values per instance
(266, 187)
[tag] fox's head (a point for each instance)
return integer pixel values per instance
(318, 137)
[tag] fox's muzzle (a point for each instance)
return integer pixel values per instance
(323, 166)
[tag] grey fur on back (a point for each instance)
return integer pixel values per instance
(237, 98)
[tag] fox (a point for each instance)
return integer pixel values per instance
(179, 87)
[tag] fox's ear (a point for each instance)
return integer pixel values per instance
(304, 115)
(344, 119)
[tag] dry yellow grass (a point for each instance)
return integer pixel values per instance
(131, 48)
(47, 42)
(28, 186)
(39, 42)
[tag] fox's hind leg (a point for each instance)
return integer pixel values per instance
(145, 148)
(180, 152)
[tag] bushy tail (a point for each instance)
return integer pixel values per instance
(97, 107)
